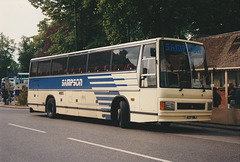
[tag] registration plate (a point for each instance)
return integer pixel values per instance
(191, 117)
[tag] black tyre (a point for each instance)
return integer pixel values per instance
(114, 117)
(124, 115)
(31, 110)
(51, 108)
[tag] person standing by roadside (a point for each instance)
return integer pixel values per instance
(4, 95)
(231, 95)
(216, 98)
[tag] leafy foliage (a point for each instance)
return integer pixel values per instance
(22, 98)
(26, 52)
(7, 48)
(62, 39)
(212, 17)
(104, 22)
(60, 34)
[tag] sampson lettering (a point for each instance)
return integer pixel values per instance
(72, 82)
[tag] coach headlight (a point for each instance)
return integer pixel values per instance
(167, 105)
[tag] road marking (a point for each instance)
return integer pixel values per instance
(119, 150)
(19, 126)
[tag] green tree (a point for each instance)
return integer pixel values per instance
(104, 22)
(60, 34)
(26, 53)
(31, 47)
(7, 48)
(14, 67)
(41, 41)
(121, 20)
(141, 19)
(60, 38)
(214, 17)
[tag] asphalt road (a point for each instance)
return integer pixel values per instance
(26, 137)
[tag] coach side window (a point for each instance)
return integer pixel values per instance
(148, 70)
(59, 66)
(99, 61)
(125, 59)
(43, 68)
(77, 64)
(33, 71)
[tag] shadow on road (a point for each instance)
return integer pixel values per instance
(175, 128)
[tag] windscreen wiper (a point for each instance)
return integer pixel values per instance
(203, 88)
(181, 87)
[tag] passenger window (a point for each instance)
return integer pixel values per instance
(77, 64)
(33, 71)
(43, 68)
(99, 61)
(125, 59)
(59, 66)
(148, 76)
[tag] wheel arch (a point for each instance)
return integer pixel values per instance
(117, 100)
(116, 105)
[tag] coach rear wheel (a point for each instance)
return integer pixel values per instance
(51, 108)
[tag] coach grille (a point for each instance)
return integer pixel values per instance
(191, 106)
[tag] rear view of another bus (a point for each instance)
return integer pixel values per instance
(20, 82)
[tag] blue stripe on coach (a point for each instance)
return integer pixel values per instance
(58, 82)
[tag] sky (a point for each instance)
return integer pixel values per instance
(19, 18)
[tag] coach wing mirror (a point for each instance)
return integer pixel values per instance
(153, 52)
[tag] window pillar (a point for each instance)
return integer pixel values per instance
(226, 88)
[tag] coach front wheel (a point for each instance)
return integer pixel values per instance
(124, 115)
(51, 108)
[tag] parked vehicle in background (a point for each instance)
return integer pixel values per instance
(20, 82)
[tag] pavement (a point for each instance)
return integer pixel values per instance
(198, 124)
(213, 125)
(12, 105)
